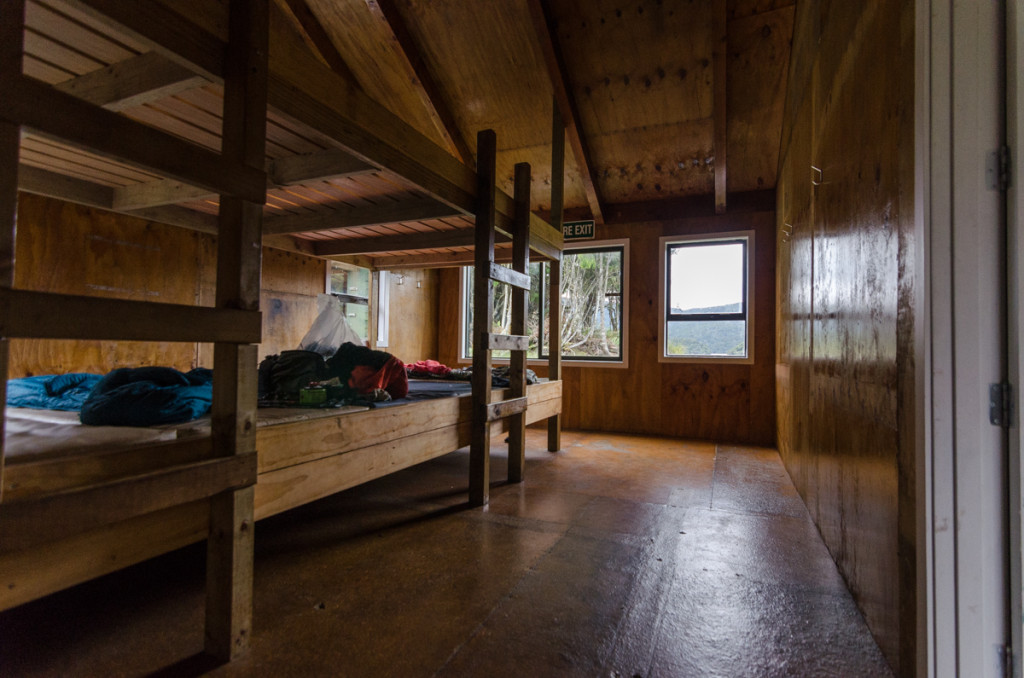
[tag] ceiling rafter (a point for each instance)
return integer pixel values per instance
(319, 39)
(423, 80)
(543, 26)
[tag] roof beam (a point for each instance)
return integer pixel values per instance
(721, 30)
(543, 26)
(400, 242)
(502, 254)
(421, 77)
(320, 39)
(354, 217)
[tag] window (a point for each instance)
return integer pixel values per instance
(706, 295)
(593, 285)
(351, 284)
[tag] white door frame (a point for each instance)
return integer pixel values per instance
(963, 554)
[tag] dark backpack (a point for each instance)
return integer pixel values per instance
(293, 370)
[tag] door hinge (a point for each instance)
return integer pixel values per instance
(997, 169)
(1000, 404)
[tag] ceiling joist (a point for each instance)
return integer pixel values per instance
(543, 26)
(319, 39)
(354, 217)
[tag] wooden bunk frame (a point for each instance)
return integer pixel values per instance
(66, 521)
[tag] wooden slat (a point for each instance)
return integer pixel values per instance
(60, 186)
(555, 270)
(62, 116)
(354, 217)
(483, 307)
(168, 31)
(505, 408)
(459, 237)
(134, 82)
(45, 315)
(508, 342)
(509, 277)
(422, 79)
(520, 312)
(720, 57)
(558, 74)
(27, 523)
(329, 164)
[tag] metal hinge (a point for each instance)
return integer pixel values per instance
(997, 169)
(1000, 404)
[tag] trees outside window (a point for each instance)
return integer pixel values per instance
(592, 294)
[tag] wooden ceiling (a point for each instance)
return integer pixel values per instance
(639, 76)
(661, 100)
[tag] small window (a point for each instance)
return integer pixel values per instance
(593, 285)
(706, 298)
(351, 284)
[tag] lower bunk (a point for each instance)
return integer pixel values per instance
(302, 455)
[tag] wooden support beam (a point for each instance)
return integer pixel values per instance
(51, 113)
(554, 292)
(60, 186)
(229, 554)
(505, 408)
(320, 166)
(27, 523)
(354, 217)
(509, 276)
(321, 41)
(178, 216)
(419, 74)
(520, 312)
(721, 56)
(12, 47)
(48, 315)
(544, 28)
(134, 82)
(508, 342)
(400, 242)
(155, 194)
(483, 309)
(441, 260)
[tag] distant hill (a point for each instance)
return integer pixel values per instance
(708, 337)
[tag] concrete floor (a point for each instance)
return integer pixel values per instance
(618, 557)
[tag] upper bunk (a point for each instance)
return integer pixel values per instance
(345, 176)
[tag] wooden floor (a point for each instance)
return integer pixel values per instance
(619, 556)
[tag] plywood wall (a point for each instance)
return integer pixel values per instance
(844, 319)
(77, 250)
(724, 403)
(414, 317)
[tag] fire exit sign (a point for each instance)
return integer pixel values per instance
(578, 230)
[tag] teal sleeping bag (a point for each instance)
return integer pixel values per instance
(145, 396)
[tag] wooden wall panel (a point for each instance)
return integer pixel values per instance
(843, 330)
(726, 403)
(77, 250)
(413, 321)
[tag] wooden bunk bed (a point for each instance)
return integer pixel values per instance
(68, 519)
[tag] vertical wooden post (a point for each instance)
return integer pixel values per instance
(12, 36)
(230, 543)
(520, 297)
(555, 269)
(483, 308)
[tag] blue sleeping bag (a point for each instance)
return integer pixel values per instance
(51, 391)
(144, 396)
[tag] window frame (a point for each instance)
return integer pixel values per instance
(664, 245)
(567, 361)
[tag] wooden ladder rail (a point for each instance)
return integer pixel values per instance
(238, 175)
(484, 341)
